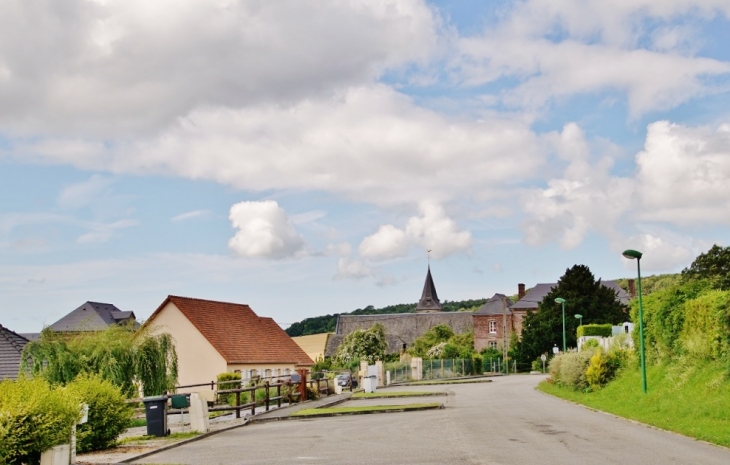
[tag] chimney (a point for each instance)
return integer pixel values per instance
(632, 288)
(520, 291)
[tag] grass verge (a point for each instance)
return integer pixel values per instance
(171, 437)
(456, 381)
(390, 395)
(691, 399)
(313, 412)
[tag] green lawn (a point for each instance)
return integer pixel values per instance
(391, 394)
(693, 399)
(355, 410)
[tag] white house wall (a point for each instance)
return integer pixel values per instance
(198, 361)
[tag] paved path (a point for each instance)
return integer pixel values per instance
(504, 422)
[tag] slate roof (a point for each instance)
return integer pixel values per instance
(92, 316)
(535, 295)
(237, 333)
(11, 347)
(495, 306)
(429, 298)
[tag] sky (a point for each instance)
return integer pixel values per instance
(303, 157)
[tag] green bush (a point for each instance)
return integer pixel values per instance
(569, 369)
(33, 418)
(109, 415)
(604, 330)
(477, 363)
(591, 344)
(230, 399)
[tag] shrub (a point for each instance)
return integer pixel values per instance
(569, 369)
(595, 330)
(591, 344)
(109, 415)
(33, 418)
(230, 399)
(477, 362)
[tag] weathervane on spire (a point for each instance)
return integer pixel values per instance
(429, 257)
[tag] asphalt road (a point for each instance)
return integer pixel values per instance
(503, 422)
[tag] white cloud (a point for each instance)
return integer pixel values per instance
(369, 143)
(189, 215)
(598, 48)
(134, 65)
(84, 193)
(587, 197)
(662, 250)
(433, 230)
(264, 231)
(388, 242)
(684, 174)
(348, 268)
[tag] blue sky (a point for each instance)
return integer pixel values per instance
(301, 157)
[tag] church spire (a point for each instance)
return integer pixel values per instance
(429, 302)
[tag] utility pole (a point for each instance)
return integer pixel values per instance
(504, 334)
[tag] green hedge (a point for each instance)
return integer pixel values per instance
(33, 418)
(595, 330)
(109, 415)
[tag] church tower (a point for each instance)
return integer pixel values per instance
(429, 302)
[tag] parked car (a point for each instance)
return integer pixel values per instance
(344, 380)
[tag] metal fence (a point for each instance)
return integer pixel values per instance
(447, 368)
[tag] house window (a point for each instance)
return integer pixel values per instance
(267, 373)
(492, 326)
(492, 344)
(288, 371)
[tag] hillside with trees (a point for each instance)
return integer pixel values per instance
(327, 323)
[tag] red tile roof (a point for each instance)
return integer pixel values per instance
(237, 333)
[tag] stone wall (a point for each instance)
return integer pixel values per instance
(400, 328)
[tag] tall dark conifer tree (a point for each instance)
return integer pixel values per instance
(583, 295)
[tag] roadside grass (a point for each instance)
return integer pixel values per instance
(136, 422)
(690, 399)
(369, 409)
(387, 395)
(456, 381)
(171, 437)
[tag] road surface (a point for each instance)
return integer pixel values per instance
(503, 422)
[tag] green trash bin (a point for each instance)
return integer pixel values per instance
(155, 409)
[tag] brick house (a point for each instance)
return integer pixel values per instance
(496, 320)
(494, 323)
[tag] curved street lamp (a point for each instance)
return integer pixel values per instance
(631, 255)
(580, 317)
(561, 301)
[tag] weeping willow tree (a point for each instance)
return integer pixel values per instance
(126, 357)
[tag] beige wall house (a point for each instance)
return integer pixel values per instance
(214, 337)
(314, 344)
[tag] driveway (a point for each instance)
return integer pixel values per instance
(503, 422)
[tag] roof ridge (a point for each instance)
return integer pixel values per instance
(170, 296)
(12, 341)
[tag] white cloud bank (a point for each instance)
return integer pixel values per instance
(433, 230)
(683, 179)
(264, 231)
(133, 66)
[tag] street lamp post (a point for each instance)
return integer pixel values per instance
(561, 301)
(631, 255)
(580, 317)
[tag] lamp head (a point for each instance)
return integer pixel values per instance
(577, 315)
(632, 254)
(560, 300)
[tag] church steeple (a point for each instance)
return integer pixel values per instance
(429, 302)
